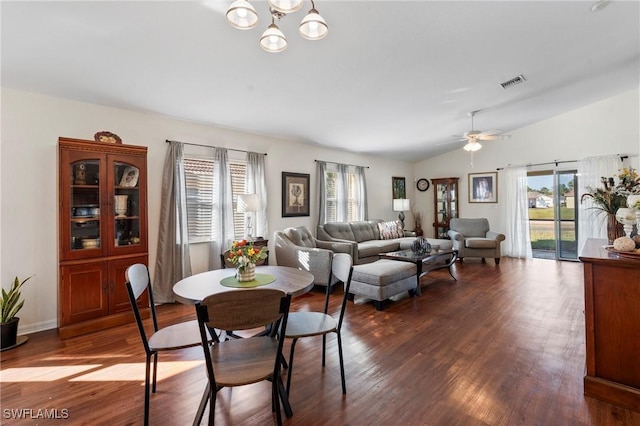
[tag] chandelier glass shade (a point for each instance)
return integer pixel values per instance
(286, 6)
(472, 145)
(313, 26)
(242, 15)
(273, 40)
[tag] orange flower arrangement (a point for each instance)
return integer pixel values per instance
(242, 253)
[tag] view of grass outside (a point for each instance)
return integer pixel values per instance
(542, 214)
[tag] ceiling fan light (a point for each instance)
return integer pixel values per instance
(472, 146)
(286, 6)
(313, 26)
(273, 40)
(242, 15)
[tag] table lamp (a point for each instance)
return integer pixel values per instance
(247, 204)
(401, 205)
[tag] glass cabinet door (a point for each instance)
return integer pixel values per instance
(454, 200)
(443, 209)
(83, 215)
(126, 206)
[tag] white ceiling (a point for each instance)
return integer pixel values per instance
(392, 78)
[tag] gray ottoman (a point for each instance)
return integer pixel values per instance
(383, 279)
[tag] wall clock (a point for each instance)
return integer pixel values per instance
(422, 184)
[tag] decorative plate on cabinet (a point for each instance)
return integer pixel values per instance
(107, 137)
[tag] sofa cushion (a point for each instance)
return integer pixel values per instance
(375, 247)
(390, 230)
(340, 230)
(480, 243)
(362, 231)
(300, 236)
(383, 272)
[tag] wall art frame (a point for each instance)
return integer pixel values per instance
(295, 194)
(483, 187)
(398, 187)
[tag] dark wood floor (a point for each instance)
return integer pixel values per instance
(504, 345)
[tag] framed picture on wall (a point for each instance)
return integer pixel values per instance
(295, 194)
(398, 186)
(483, 187)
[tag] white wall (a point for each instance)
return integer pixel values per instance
(31, 125)
(608, 127)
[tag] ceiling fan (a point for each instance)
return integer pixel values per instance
(473, 137)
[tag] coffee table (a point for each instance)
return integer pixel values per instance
(436, 259)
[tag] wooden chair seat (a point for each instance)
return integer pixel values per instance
(176, 336)
(304, 324)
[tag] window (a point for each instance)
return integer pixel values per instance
(331, 185)
(200, 190)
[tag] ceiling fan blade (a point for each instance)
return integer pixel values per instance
(491, 132)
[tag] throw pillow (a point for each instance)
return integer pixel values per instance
(390, 230)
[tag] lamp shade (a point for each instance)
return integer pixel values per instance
(242, 15)
(473, 145)
(401, 205)
(273, 40)
(313, 26)
(286, 6)
(248, 203)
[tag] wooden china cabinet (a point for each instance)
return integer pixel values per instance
(445, 201)
(102, 231)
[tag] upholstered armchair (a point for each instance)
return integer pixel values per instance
(472, 238)
(298, 248)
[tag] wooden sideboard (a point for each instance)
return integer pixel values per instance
(612, 320)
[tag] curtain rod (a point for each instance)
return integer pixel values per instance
(333, 162)
(622, 158)
(209, 146)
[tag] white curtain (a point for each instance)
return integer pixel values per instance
(361, 194)
(342, 193)
(321, 172)
(173, 261)
(592, 223)
(222, 213)
(257, 184)
(518, 239)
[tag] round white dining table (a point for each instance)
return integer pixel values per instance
(195, 288)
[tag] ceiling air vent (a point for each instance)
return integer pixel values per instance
(513, 82)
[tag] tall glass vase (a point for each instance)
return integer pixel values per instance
(614, 228)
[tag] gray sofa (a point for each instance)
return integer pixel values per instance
(365, 241)
(472, 238)
(296, 247)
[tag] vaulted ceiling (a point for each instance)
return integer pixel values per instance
(392, 78)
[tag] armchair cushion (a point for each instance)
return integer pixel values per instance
(480, 243)
(301, 236)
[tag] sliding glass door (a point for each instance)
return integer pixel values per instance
(552, 214)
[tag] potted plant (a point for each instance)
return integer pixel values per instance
(417, 217)
(612, 197)
(10, 305)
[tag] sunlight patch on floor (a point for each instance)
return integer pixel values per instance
(135, 371)
(43, 374)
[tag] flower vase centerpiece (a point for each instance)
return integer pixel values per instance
(243, 255)
(612, 197)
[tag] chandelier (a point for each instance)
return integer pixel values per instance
(242, 15)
